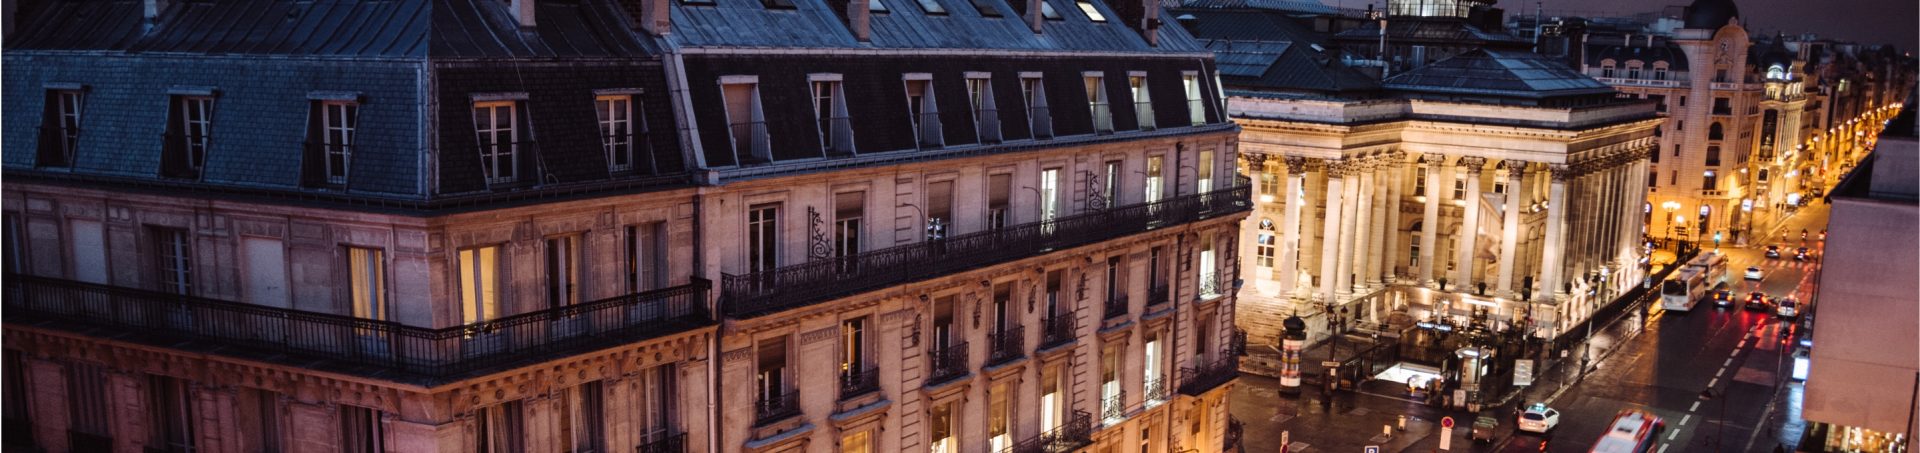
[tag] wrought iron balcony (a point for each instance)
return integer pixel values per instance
(1113, 408)
(383, 349)
(929, 130)
(861, 382)
(1158, 294)
(1198, 380)
(676, 443)
(1143, 110)
(1213, 285)
(750, 141)
(1057, 330)
(1156, 390)
(1006, 345)
(1076, 433)
(776, 408)
(1041, 120)
(1116, 306)
(946, 364)
(787, 287)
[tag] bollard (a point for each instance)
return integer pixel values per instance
(1386, 430)
(1403, 423)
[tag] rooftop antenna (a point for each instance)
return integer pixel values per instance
(1538, 12)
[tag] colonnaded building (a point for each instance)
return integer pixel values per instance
(1493, 186)
(596, 225)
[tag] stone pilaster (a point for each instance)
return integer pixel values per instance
(1469, 224)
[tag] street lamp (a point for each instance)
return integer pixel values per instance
(1719, 439)
(1673, 227)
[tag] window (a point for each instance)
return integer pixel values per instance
(1722, 106)
(1713, 156)
(500, 428)
(563, 271)
(939, 209)
(1154, 164)
(777, 4)
(15, 257)
(999, 438)
(1114, 287)
(582, 421)
(1673, 178)
(933, 7)
(1460, 185)
(1049, 196)
(943, 334)
(1683, 101)
(174, 250)
(188, 137)
(496, 122)
(999, 188)
(170, 411)
(1660, 73)
(1263, 244)
(1112, 182)
(1654, 157)
(1606, 71)
(746, 123)
(1633, 72)
(986, 8)
(1710, 180)
(1053, 403)
(646, 264)
(1112, 406)
(849, 208)
(60, 129)
(1680, 125)
(1142, 103)
(88, 411)
(1097, 101)
(923, 111)
(986, 118)
(1154, 274)
(860, 442)
(1420, 181)
(1762, 176)
(657, 403)
(1659, 100)
(1093, 12)
(878, 6)
(1209, 276)
(941, 423)
(260, 421)
(1202, 335)
(1035, 94)
(763, 238)
(770, 381)
(617, 135)
(1720, 76)
(1196, 112)
(338, 121)
(1716, 132)
(1500, 182)
(1413, 255)
(479, 284)
(367, 282)
(853, 344)
(361, 430)
(1676, 150)
(1269, 185)
(830, 115)
(1204, 183)
(1047, 11)
(1653, 177)
(1154, 383)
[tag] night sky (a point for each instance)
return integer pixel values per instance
(1867, 21)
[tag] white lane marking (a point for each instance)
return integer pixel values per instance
(1715, 381)
(1670, 434)
(1723, 370)
(1726, 363)
(1663, 447)
(1684, 420)
(1696, 406)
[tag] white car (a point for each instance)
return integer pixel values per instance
(1753, 273)
(1538, 418)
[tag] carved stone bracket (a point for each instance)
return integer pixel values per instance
(1560, 172)
(1516, 168)
(819, 247)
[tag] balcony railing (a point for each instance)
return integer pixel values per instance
(776, 408)
(859, 382)
(1006, 345)
(836, 136)
(1213, 285)
(671, 444)
(987, 124)
(355, 345)
(1041, 120)
(945, 364)
(1057, 330)
(1143, 111)
(1156, 389)
(1158, 294)
(1076, 433)
(1113, 408)
(1198, 380)
(317, 165)
(1116, 306)
(1102, 118)
(787, 287)
(929, 130)
(750, 141)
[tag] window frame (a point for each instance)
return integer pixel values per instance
(619, 136)
(488, 140)
(344, 128)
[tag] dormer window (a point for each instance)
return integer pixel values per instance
(1606, 71)
(1196, 110)
(620, 132)
(830, 114)
(497, 126)
(1047, 11)
(59, 129)
(922, 111)
(1035, 94)
(1092, 12)
(1659, 73)
(1097, 100)
(746, 122)
(189, 134)
(877, 6)
(986, 8)
(986, 118)
(333, 123)
(1142, 104)
(933, 7)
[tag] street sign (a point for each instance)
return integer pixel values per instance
(1330, 364)
(1523, 372)
(1373, 449)
(1446, 438)
(1446, 422)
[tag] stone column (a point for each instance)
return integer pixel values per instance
(1551, 253)
(1430, 219)
(1469, 224)
(1390, 243)
(1330, 235)
(1377, 233)
(1290, 225)
(1510, 228)
(1362, 228)
(1349, 213)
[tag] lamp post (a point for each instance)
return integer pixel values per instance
(1674, 226)
(1719, 439)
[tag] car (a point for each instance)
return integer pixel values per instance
(1801, 254)
(1753, 273)
(1773, 251)
(1722, 298)
(1758, 301)
(1538, 418)
(1787, 307)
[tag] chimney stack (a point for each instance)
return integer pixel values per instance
(523, 13)
(150, 15)
(1032, 15)
(1150, 22)
(854, 13)
(654, 17)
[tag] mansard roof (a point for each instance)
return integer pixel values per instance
(1498, 73)
(1268, 50)
(907, 26)
(1675, 57)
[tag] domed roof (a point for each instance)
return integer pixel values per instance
(1711, 14)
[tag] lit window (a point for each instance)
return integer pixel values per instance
(1196, 112)
(1263, 245)
(1097, 101)
(1142, 105)
(479, 284)
(1093, 12)
(933, 7)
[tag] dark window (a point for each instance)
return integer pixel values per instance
(1653, 178)
(986, 8)
(173, 252)
(500, 429)
(999, 188)
(60, 128)
(623, 131)
(1722, 106)
(15, 257)
(496, 124)
(19, 421)
(1710, 181)
(331, 128)
(1716, 132)
(771, 372)
(762, 238)
(189, 133)
(646, 257)
(777, 4)
(830, 117)
(170, 412)
(1713, 156)
(1659, 100)
(87, 407)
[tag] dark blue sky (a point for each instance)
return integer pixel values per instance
(1866, 21)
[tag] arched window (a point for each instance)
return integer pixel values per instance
(1263, 244)
(1413, 253)
(1716, 132)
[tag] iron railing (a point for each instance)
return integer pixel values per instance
(1158, 294)
(358, 345)
(929, 131)
(1041, 120)
(787, 287)
(750, 142)
(1102, 118)
(1143, 110)
(1198, 380)
(182, 156)
(57, 146)
(1116, 306)
(836, 136)
(676, 443)
(1156, 389)
(945, 364)
(776, 407)
(986, 123)
(1077, 432)
(316, 171)
(1213, 285)
(1006, 345)
(859, 382)
(1113, 407)
(1057, 330)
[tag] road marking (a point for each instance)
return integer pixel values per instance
(1670, 434)
(1684, 420)
(1663, 447)
(1713, 382)
(1726, 363)
(1723, 370)
(1696, 406)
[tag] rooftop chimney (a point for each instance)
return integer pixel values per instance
(522, 12)
(856, 14)
(653, 16)
(151, 13)
(1032, 15)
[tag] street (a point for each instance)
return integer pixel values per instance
(1652, 359)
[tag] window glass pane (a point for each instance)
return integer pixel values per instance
(478, 284)
(1093, 13)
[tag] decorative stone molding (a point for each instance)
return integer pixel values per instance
(1256, 162)
(1516, 168)
(1433, 161)
(1296, 165)
(817, 335)
(1338, 168)
(1560, 172)
(1473, 164)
